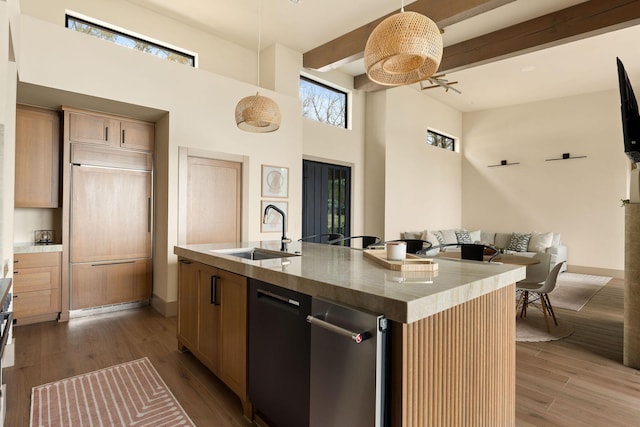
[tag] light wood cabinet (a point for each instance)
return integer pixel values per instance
(212, 322)
(104, 283)
(37, 162)
(36, 287)
(110, 131)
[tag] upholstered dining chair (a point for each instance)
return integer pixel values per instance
(321, 238)
(366, 241)
(532, 292)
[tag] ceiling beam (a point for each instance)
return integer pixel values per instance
(574, 23)
(350, 47)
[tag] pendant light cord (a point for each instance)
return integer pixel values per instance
(259, 36)
(402, 6)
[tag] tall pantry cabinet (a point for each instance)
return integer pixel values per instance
(110, 208)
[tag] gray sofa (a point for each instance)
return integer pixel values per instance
(524, 244)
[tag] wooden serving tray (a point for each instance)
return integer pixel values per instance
(411, 263)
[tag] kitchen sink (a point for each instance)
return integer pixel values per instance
(254, 254)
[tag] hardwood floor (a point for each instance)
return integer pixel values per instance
(579, 380)
(51, 351)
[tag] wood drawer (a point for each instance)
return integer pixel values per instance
(40, 259)
(35, 303)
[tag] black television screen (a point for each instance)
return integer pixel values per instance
(630, 115)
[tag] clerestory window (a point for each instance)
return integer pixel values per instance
(323, 103)
(439, 140)
(130, 40)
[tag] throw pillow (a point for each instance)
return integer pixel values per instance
(463, 236)
(539, 242)
(449, 236)
(439, 237)
(519, 242)
(487, 236)
(419, 235)
(475, 235)
(432, 239)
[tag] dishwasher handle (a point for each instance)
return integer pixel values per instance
(357, 337)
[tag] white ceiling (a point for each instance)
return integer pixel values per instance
(579, 67)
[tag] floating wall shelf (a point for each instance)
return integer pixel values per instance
(566, 156)
(503, 163)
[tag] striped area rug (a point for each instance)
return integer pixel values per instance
(129, 394)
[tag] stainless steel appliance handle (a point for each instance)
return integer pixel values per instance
(279, 297)
(357, 337)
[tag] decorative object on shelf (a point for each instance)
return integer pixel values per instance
(275, 181)
(404, 48)
(272, 222)
(44, 237)
(566, 156)
(257, 113)
(504, 163)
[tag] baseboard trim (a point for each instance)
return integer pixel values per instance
(616, 274)
(167, 309)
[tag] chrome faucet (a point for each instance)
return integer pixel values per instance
(285, 239)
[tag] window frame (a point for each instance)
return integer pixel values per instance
(101, 25)
(454, 140)
(333, 88)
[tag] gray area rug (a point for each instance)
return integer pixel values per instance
(533, 329)
(574, 290)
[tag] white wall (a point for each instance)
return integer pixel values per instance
(578, 198)
(201, 109)
(214, 54)
(193, 107)
(422, 183)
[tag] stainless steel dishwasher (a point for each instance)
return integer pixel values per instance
(349, 367)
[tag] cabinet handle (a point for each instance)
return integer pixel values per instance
(123, 136)
(148, 214)
(184, 261)
(106, 133)
(214, 290)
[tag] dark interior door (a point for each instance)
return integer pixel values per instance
(326, 198)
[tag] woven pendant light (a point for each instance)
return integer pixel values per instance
(257, 113)
(404, 48)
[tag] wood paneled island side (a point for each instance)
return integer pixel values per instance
(452, 331)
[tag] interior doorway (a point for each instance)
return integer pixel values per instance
(326, 198)
(211, 212)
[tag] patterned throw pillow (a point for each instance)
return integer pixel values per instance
(439, 236)
(463, 236)
(519, 242)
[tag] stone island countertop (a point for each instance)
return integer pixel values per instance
(345, 275)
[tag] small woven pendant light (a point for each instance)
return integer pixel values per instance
(404, 48)
(257, 113)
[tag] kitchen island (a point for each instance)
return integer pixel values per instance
(452, 330)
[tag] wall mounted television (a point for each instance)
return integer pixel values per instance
(630, 115)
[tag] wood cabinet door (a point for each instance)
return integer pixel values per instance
(213, 213)
(110, 214)
(209, 316)
(93, 129)
(137, 135)
(233, 331)
(37, 163)
(188, 303)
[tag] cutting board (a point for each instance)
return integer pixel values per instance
(410, 263)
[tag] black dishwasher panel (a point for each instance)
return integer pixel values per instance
(279, 354)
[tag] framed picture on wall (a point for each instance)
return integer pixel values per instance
(274, 219)
(275, 181)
